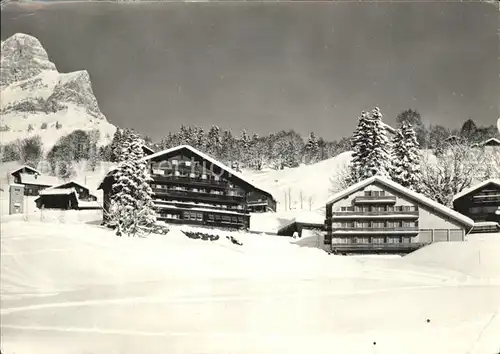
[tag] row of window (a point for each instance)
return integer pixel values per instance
(375, 194)
(171, 216)
(225, 219)
(377, 224)
(174, 162)
(188, 215)
(177, 173)
(379, 208)
(371, 240)
(197, 216)
(484, 210)
(232, 193)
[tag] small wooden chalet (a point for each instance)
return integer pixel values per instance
(82, 191)
(378, 215)
(57, 199)
(190, 187)
(481, 203)
(34, 182)
(27, 170)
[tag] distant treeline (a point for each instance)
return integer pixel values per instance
(243, 150)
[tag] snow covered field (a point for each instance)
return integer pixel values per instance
(68, 286)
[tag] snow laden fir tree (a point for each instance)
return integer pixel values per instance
(406, 158)
(371, 148)
(132, 209)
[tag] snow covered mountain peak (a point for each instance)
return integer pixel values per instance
(23, 57)
(38, 100)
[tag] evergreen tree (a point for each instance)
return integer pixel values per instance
(469, 131)
(406, 158)
(132, 207)
(371, 148)
(94, 150)
(244, 140)
(256, 153)
(185, 135)
(361, 147)
(413, 117)
(312, 148)
(122, 151)
(379, 159)
(115, 145)
(243, 148)
(322, 146)
(214, 141)
(200, 137)
(169, 141)
(227, 151)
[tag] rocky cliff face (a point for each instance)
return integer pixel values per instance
(38, 100)
(23, 57)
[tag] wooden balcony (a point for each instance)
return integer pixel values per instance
(199, 196)
(165, 204)
(376, 247)
(365, 214)
(372, 199)
(189, 181)
(374, 230)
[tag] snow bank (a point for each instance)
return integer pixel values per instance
(76, 287)
(478, 258)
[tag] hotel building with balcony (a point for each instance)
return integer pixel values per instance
(378, 215)
(190, 187)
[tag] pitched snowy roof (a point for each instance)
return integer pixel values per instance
(491, 140)
(39, 180)
(148, 149)
(476, 187)
(27, 167)
(57, 191)
(208, 158)
(67, 182)
(108, 174)
(420, 198)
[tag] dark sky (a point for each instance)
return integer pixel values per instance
(273, 66)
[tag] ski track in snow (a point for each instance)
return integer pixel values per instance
(204, 299)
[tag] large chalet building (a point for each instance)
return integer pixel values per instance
(190, 187)
(379, 215)
(482, 204)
